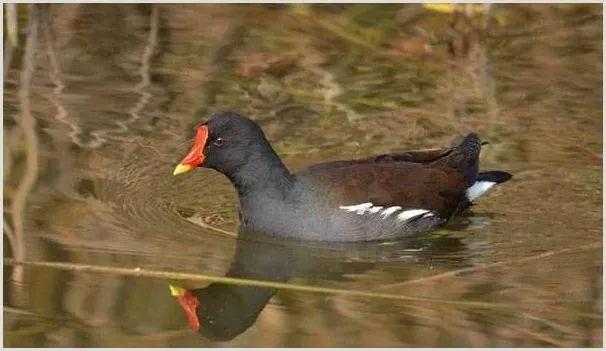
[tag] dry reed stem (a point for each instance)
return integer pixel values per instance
(138, 272)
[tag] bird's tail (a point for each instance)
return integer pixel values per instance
(465, 158)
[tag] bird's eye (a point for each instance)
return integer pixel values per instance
(219, 142)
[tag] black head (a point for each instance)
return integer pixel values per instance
(229, 142)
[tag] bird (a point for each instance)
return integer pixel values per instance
(383, 197)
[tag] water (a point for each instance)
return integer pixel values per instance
(100, 104)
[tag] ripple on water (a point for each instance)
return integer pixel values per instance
(136, 206)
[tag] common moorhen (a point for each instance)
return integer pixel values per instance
(378, 198)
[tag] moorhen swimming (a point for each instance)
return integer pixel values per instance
(378, 198)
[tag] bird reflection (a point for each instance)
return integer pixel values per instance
(221, 311)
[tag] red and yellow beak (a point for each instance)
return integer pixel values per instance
(189, 303)
(195, 157)
(176, 291)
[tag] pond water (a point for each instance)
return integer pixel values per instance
(100, 103)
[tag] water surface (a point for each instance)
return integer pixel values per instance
(100, 103)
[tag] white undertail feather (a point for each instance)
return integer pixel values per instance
(478, 189)
(403, 216)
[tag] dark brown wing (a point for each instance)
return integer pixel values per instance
(405, 184)
(414, 156)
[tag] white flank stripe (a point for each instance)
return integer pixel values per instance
(368, 208)
(359, 209)
(478, 189)
(408, 214)
(388, 211)
(375, 209)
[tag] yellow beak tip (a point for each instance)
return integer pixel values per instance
(181, 169)
(176, 290)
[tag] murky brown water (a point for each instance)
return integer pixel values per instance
(99, 105)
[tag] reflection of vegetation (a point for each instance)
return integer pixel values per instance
(11, 23)
(15, 230)
(144, 273)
